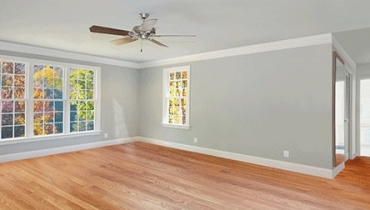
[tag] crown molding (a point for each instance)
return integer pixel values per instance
(250, 49)
(21, 48)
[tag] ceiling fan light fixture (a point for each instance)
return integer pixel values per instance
(145, 31)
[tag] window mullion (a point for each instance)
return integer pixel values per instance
(29, 101)
(66, 120)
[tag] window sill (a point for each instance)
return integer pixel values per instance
(48, 137)
(185, 127)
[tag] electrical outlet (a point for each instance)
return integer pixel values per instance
(195, 140)
(106, 135)
(286, 153)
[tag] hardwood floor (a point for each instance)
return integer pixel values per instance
(142, 176)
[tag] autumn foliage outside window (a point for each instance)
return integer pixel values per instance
(13, 81)
(51, 110)
(48, 100)
(176, 98)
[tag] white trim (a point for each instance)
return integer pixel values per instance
(175, 126)
(250, 49)
(166, 95)
(65, 149)
(338, 169)
(349, 62)
(310, 170)
(64, 54)
(48, 137)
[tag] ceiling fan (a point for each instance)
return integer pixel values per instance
(145, 31)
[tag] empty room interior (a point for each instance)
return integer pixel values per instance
(208, 104)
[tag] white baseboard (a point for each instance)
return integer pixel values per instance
(65, 149)
(304, 169)
(338, 169)
(310, 170)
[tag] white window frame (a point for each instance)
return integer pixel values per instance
(166, 96)
(29, 135)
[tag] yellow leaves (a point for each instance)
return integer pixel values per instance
(47, 76)
(20, 119)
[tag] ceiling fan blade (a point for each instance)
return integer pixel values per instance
(106, 30)
(158, 43)
(122, 41)
(171, 35)
(148, 24)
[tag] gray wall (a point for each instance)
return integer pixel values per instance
(363, 70)
(119, 109)
(258, 104)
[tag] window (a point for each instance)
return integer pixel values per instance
(13, 82)
(82, 100)
(45, 99)
(176, 97)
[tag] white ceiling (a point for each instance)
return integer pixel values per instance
(218, 24)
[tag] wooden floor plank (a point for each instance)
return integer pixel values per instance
(143, 176)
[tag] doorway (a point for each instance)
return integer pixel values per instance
(365, 117)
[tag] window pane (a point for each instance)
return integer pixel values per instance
(48, 129)
(6, 132)
(184, 75)
(38, 93)
(20, 106)
(20, 119)
(38, 118)
(7, 80)
(74, 126)
(58, 117)
(7, 106)
(38, 106)
(7, 119)
(90, 125)
(58, 94)
(48, 106)
(49, 93)
(73, 116)
(8, 67)
(6, 93)
(59, 106)
(19, 80)
(89, 94)
(82, 126)
(89, 79)
(73, 106)
(90, 115)
(20, 68)
(172, 75)
(82, 115)
(49, 117)
(90, 106)
(19, 131)
(178, 75)
(58, 127)
(19, 93)
(38, 129)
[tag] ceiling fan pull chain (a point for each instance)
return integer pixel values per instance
(141, 47)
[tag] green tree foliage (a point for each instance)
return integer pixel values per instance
(82, 95)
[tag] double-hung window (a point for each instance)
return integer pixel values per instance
(40, 98)
(81, 99)
(176, 83)
(13, 99)
(48, 86)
